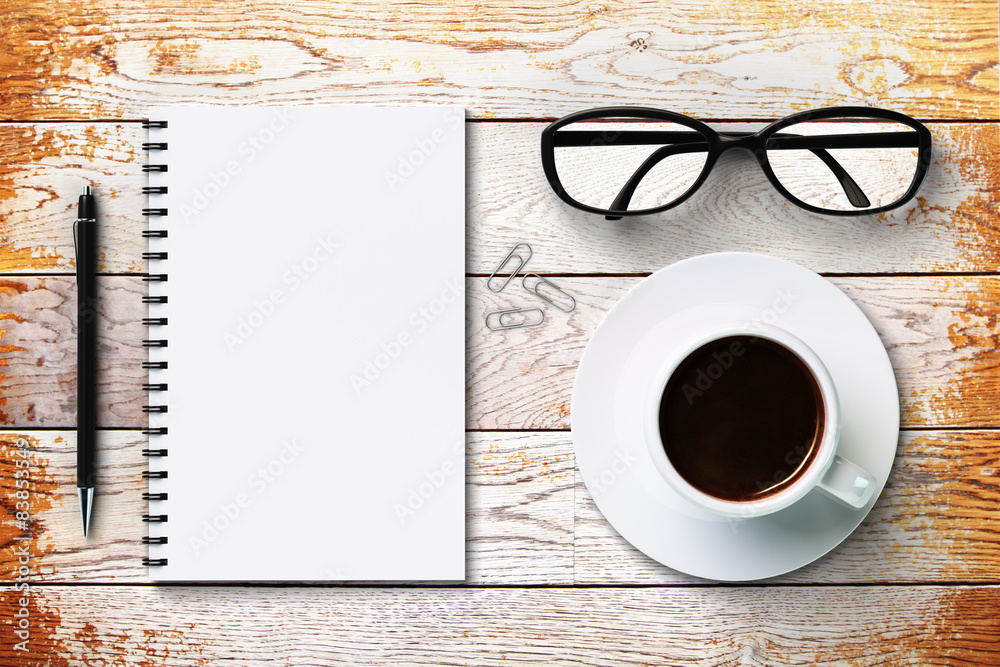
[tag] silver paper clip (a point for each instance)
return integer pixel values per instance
(525, 321)
(561, 294)
(511, 255)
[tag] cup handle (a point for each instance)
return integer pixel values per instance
(847, 483)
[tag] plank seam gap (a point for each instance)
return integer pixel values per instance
(559, 274)
(985, 584)
(69, 429)
(478, 120)
(575, 581)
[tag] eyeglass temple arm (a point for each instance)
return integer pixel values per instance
(851, 189)
(625, 196)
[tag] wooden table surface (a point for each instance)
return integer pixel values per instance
(549, 581)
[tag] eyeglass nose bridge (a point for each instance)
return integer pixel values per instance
(754, 143)
(746, 140)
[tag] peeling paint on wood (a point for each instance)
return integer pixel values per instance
(530, 520)
(43, 169)
(951, 227)
(721, 59)
(818, 627)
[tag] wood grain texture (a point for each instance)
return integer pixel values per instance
(186, 627)
(721, 58)
(936, 520)
(941, 334)
(44, 168)
(530, 521)
(38, 352)
(952, 226)
(519, 491)
(519, 508)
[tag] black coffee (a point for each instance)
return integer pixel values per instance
(741, 418)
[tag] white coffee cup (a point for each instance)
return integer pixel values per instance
(829, 472)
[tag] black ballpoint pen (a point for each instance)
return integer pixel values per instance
(85, 236)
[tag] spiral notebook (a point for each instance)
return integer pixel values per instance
(306, 344)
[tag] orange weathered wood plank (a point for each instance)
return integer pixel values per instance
(44, 168)
(722, 59)
(818, 627)
(941, 334)
(952, 226)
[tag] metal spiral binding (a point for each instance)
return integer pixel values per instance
(154, 341)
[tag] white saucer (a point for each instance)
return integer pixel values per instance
(613, 380)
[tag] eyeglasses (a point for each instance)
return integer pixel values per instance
(625, 161)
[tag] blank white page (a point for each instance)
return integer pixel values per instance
(315, 328)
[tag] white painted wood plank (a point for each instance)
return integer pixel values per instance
(934, 521)
(940, 334)
(952, 226)
(519, 509)
(530, 521)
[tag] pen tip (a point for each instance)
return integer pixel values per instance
(86, 190)
(86, 502)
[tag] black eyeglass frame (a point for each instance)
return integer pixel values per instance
(718, 143)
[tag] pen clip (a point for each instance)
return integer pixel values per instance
(76, 250)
